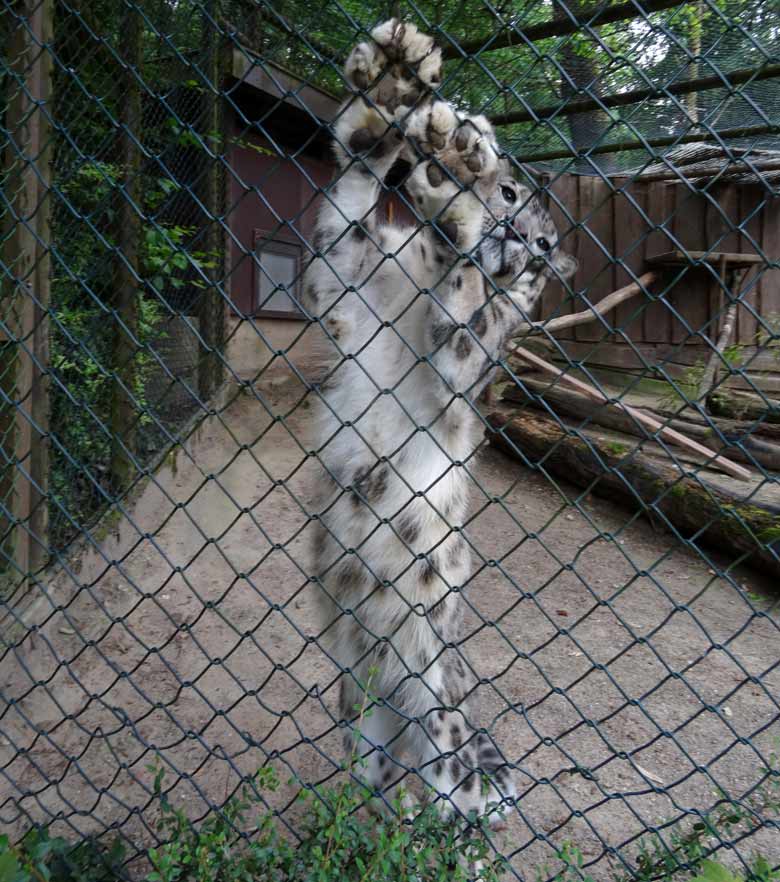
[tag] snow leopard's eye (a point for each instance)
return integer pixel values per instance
(509, 194)
(542, 244)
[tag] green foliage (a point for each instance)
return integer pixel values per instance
(41, 858)
(339, 842)
(687, 387)
(684, 849)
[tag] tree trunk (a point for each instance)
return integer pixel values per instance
(694, 48)
(581, 72)
(128, 237)
(25, 237)
(211, 304)
(700, 513)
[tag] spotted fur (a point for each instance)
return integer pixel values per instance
(419, 316)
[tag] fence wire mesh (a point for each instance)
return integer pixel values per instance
(228, 392)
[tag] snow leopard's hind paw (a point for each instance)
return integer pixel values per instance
(397, 69)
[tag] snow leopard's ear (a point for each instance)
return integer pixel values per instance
(564, 264)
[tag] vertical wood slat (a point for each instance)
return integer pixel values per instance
(631, 231)
(769, 301)
(27, 264)
(689, 297)
(564, 190)
(597, 270)
(656, 324)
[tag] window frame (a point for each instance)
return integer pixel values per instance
(266, 240)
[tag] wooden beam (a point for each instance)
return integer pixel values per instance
(593, 17)
(565, 108)
(648, 144)
(744, 444)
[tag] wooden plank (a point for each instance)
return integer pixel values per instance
(563, 190)
(689, 258)
(770, 278)
(722, 216)
(630, 231)
(596, 249)
(689, 307)
(656, 322)
(623, 356)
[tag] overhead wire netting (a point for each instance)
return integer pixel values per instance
(165, 385)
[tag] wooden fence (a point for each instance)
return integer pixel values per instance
(613, 226)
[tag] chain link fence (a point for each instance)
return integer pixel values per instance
(161, 461)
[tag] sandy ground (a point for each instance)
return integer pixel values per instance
(625, 679)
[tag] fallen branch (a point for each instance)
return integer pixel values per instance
(658, 428)
(697, 511)
(589, 315)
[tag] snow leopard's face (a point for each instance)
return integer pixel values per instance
(520, 237)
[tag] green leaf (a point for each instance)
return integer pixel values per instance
(714, 872)
(9, 866)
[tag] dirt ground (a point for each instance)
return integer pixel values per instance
(624, 678)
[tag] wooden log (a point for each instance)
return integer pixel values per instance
(719, 462)
(689, 417)
(740, 445)
(699, 512)
(743, 406)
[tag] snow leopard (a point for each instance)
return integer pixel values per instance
(419, 314)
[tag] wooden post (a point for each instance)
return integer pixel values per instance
(709, 379)
(128, 237)
(24, 301)
(211, 305)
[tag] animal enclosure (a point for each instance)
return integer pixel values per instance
(164, 382)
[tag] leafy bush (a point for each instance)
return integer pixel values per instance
(340, 842)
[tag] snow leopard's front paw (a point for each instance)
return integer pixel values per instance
(397, 69)
(455, 167)
(455, 148)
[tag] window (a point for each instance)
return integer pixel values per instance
(277, 277)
